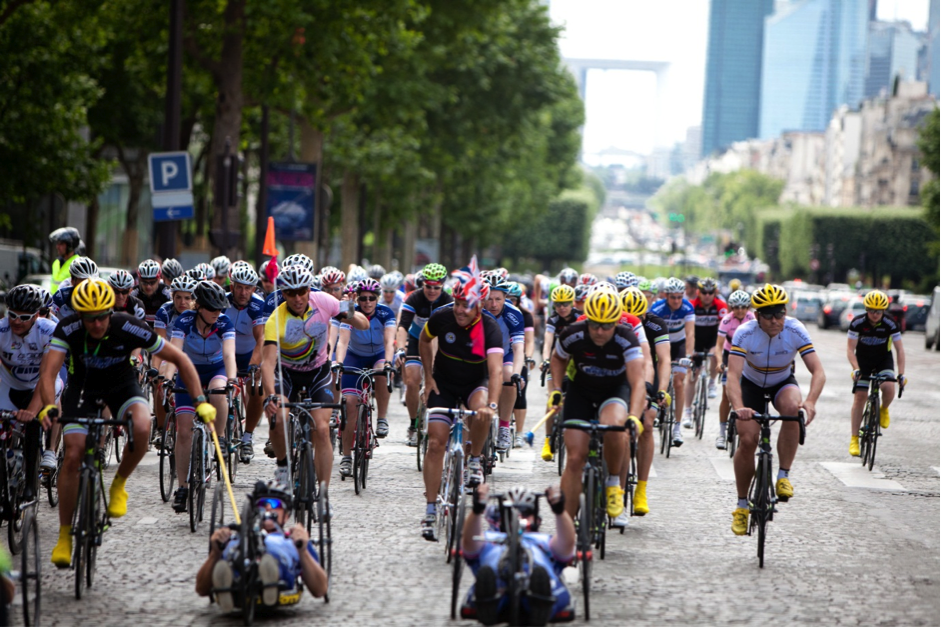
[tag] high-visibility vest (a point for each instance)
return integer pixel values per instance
(60, 271)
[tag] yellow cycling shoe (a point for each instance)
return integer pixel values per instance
(62, 553)
(615, 496)
(740, 521)
(640, 499)
(117, 504)
(884, 417)
(547, 451)
(784, 489)
(854, 445)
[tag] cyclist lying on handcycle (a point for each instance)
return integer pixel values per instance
(280, 564)
(546, 599)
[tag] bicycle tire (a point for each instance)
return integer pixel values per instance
(419, 442)
(30, 570)
(359, 450)
(304, 497)
(631, 482)
(80, 533)
(664, 430)
(874, 427)
(761, 503)
(97, 529)
(52, 483)
(325, 541)
(703, 406)
(731, 435)
(12, 499)
(584, 553)
(217, 519)
(232, 438)
(864, 433)
(600, 511)
(196, 477)
(457, 563)
(670, 424)
(456, 492)
(167, 457)
(119, 438)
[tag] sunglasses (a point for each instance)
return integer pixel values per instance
(737, 307)
(20, 317)
(149, 281)
(337, 287)
(367, 299)
(705, 293)
(298, 292)
(122, 292)
(98, 316)
(606, 326)
(565, 304)
(271, 502)
(675, 296)
(768, 315)
(432, 287)
(875, 311)
(210, 310)
(388, 291)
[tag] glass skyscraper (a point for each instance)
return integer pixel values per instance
(733, 72)
(814, 60)
(893, 51)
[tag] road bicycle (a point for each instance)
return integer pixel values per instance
(451, 489)
(870, 430)
(700, 392)
(364, 438)
(167, 444)
(666, 417)
(13, 478)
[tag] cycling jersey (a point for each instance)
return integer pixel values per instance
(282, 547)
(244, 320)
(874, 341)
(675, 320)
(462, 351)
(104, 364)
(510, 320)
(396, 304)
(371, 341)
(727, 328)
(655, 330)
(303, 338)
(152, 303)
(529, 323)
(630, 320)
(166, 316)
(768, 360)
(417, 309)
(556, 323)
(133, 307)
(707, 322)
(203, 350)
(62, 302)
(598, 368)
(272, 300)
(20, 356)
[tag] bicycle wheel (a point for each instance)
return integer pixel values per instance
(457, 561)
(16, 514)
(631, 482)
(98, 524)
(560, 445)
(218, 511)
(196, 477)
(232, 438)
(584, 549)
(81, 529)
(864, 433)
(419, 445)
(52, 482)
(304, 491)
(30, 572)
(325, 541)
(456, 492)
(107, 448)
(167, 457)
(702, 406)
(670, 422)
(874, 428)
(664, 429)
(119, 439)
(761, 503)
(359, 449)
(731, 436)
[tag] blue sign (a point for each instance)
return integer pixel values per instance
(291, 199)
(164, 214)
(170, 172)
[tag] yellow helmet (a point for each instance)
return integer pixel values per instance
(633, 301)
(563, 294)
(768, 296)
(93, 295)
(876, 300)
(603, 306)
(735, 284)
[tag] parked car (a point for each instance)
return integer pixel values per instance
(805, 306)
(833, 306)
(855, 308)
(916, 311)
(933, 323)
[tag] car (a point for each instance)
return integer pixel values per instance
(833, 306)
(933, 322)
(805, 306)
(916, 311)
(42, 280)
(854, 309)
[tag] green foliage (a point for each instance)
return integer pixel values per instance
(928, 141)
(561, 235)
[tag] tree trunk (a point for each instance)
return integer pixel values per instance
(349, 206)
(312, 152)
(409, 233)
(91, 230)
(135, 169)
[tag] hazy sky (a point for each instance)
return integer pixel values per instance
(621, 107)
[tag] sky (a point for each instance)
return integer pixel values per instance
(621, 106)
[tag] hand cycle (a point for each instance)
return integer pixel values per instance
(870, 430)
(761, 495)
(592, 520)
(700, 392)
(91, 520)
(667, 415)
(22, 514)
(451, 490)
(364, 439)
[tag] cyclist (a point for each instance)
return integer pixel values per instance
(657, 370)
(150, 290)
(392, 297)
(646, 288)
(872, 336)
(371, 348)
(66, 240)
(415, 312)
(624, 280)
(301, 326)
(467, 370)
(680, 318)
(80, 270)
(581, 293)
(265, 284)
(547, 598)
(563, 300)
(608, 386)
(709, 310)
(739, 302)
(169, 270)
(207, 336)
(220, 266)
(182, 289)
(692, 287)
(375, 271)
(515, 296)
(568, 276)
(760, 359)
(122, 282)
(510, 320)
(280, 565)
(100, 343)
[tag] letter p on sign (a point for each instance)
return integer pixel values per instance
(168, 170)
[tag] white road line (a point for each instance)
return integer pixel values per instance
(653, 471)
(724, 467)
(936, 469)
(853, 475)
(147, 521)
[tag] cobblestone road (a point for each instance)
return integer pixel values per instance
(836, 554)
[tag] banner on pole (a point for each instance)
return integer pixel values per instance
(291, 199)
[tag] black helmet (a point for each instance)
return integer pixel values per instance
(25, 298)
(170, 269)
(273, 489)
(68, 235)
(211, 296)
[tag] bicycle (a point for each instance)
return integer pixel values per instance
(30, 575)
(666, 417)
(167, 447)
(762, 497)
(700, 392)
(451, 490)
(91, 520)
(12, 478)
(871, 429)
(364, 439)
(519, 394)
(421, 429)
(49, 478)
(731, 437)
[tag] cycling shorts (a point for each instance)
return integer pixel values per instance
(350, 382)
(12, 400)
(521, 399)
(753, 395)
(866, 369)
(117, 399)
(586, 405)
(706, 344)
(449, 395)
(317, 382)
(242, 362)
(412, 356)
(207, 374)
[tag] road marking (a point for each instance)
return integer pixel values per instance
(653, 471)
(853, 475)
(724, 467)
(520, 462)
(936, 469)
(147, 521)
(151, 458)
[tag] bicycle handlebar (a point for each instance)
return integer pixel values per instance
(594, 426)
(452, 412)
(365, 372)
(768, 418)
(518, 382)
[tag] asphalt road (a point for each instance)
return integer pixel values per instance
(851, 547)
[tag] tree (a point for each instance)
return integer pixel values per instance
(930, 200)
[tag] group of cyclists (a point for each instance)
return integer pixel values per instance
(610, 351)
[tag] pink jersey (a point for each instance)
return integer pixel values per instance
(728, 326)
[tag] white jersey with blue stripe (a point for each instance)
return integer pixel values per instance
(371, 341)
(512, 326)
(202, 350)
(20, 356)
(768, 359)
(245, 320)
(675, 319)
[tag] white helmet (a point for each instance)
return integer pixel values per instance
(739, 298)
(121, 280)
(390, 282)
(674, 286)
(221, 265)
(243, 273)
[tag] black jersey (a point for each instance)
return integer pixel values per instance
(103, 364)
(529, 323)
(133, 307)
(598, 368)
(417, 309)
(152, 303)
(707, 320)
(462, 351)
(655, 328)
(874, 341)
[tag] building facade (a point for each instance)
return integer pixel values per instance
(893, 51)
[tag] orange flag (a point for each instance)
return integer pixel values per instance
(270, 249)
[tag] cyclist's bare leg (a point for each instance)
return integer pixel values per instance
(724, 407)
(576, 452)
(412, 376)
(323, 449)
(140, 415)
(346, 435)
(68, 477)
(382, 394)
(615, 444)
(438, 433)
(184, 442)
(712, 367)
(218, 401)
(645, 447)
(748, 433)
(159, 412)
(692, 376)
(478, 428)
(276, 433)
(507, 395)
(253, 409)
(856, 413)
(519, 415)
(679, 392)
(788, 403)
(888, 393)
